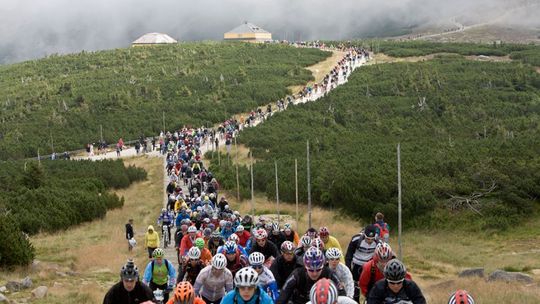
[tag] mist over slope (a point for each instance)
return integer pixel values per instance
(39, 28)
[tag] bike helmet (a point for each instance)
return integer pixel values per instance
(194, 253)
(184, 293)
(192, 229)
(256, 258)
(461, 297)
(333, 253)
(323, 231)
(323, 292)
(268, 226)
(158, 253)
(234, 238)
(383, 253)
(246, 277)
(314, 259)
(216, 235)
(219, 261)
(230, 247)
(207, 232)
(287, 226)
(129, 271)
(275, 227)
(240, 228)
(261, 234)
(318, 243)
(163, 210)
(395, 271)
(222, 223)
(287, 247)
(199, 243)
(305, 241)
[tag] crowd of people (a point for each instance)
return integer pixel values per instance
(223, 256)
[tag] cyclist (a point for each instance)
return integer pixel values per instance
(165, 220)
(461, 297)
(284, 264)
(236, 240)
(325, 292)
(266, 278)
(191, 268)
(214, 280)
(129, 290)
(395, 288)
(188, 240)
(206, 255)
(235, 259)
(333, 256)
(330, 241)
(247, 290)
(185, 294)
(299, 283)
(160, 273)
(303, 246)
(276, 235)
(243, 235)
(373, 270)
(151, 240)
(290, 235)
(215, 242)
(360, 251)
(264, 246)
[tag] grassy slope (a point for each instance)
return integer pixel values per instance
(127, 90)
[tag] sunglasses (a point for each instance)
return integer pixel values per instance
(394, 282)
(314, 270)
(256, 266)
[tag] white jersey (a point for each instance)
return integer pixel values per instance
(266, 277)
(345, 279)
(213, 287)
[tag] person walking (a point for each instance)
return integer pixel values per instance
(130, 234)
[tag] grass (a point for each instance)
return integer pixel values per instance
(319, 70)
(96, 250)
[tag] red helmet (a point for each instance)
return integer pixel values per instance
(383, 253)
(323, 292)
(461, 297)
(323, 231)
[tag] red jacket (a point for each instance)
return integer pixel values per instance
(243, 238)
(365, 281)
(186, 243)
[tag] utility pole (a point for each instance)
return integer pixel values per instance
(399, 200)
(296, 187)
(164, 130)
(237, 178)
(308, 187)
(277, 192)
(252, 188)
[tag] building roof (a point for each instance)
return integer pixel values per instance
(247, 27)
(154, 38)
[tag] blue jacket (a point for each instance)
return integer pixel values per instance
(165, 218)
(229, 298)
(181, 216)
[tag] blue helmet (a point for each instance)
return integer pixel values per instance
(314, 259)
(230, 247)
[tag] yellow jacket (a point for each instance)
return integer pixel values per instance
(334, 243)
(151, 239)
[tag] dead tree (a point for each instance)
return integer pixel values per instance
(472, 201)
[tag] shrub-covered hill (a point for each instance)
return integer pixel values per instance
(127, 90)
(52, 196)
(464, 126)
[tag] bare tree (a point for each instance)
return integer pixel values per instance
(472, 201)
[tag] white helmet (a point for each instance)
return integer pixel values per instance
(234, 238)
(246, 277)
(240, 228)
(219, 261)
(261, 234)
(256, 258)
(333, 253)
(194, 253)
(305, 240)
(192, 229)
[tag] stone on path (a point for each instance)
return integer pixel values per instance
(472, 272)
(501, 275)
(40, 292)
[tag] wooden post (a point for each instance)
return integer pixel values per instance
(296, 187)
(164, 130)
(308, 187)
(252, 188)
(277, 191)
(101, 132)
(399, 201)
(237, 177)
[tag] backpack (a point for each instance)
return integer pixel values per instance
(382, 230)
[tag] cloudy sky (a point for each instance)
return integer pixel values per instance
(36, 28)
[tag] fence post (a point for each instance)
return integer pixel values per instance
(296, 187)
(252, 188)
(399, 200)
(277, 191)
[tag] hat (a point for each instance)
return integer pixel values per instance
(370, 231)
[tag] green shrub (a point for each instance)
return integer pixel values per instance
(15, 248)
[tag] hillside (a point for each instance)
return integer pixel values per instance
(465, 127)
(61, 102)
